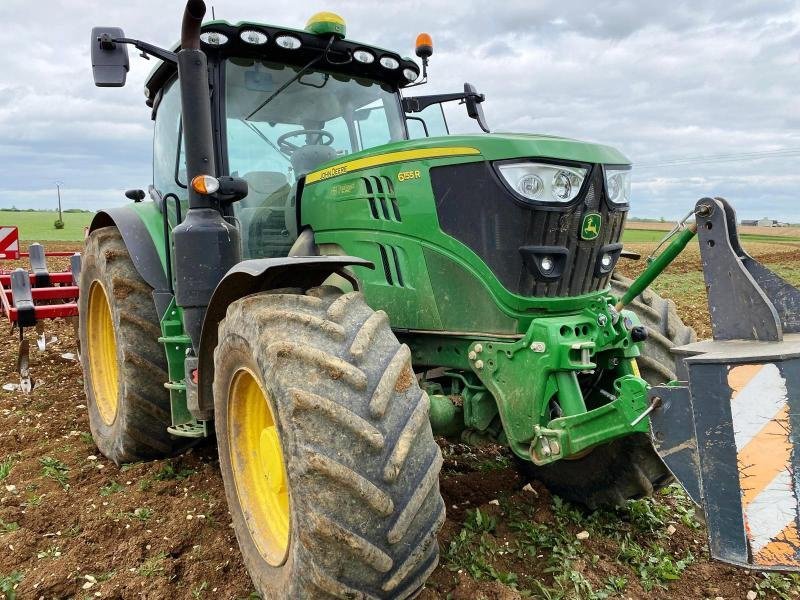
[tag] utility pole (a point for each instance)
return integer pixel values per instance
(58, 190)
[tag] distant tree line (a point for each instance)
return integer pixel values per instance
(68, 210)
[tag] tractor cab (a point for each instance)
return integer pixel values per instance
(290, 102)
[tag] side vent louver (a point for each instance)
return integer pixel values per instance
(381, 198)
(390, 259)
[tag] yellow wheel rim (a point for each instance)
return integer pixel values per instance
(635, 368)
(259, 470)
(102, 353)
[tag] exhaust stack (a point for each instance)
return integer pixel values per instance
(206, 246)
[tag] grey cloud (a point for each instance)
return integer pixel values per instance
(658, 80)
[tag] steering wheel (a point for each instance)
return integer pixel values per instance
(324, 138)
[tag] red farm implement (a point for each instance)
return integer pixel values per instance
(28, 298)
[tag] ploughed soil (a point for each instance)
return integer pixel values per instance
(73, 525)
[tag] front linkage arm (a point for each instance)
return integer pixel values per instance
(551, 355)
(548, 419)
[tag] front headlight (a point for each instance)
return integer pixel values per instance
(618, 184)
(542, 182)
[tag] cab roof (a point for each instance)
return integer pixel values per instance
(339, 54)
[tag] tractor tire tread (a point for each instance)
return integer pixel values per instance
(139, 431)
(360, 456)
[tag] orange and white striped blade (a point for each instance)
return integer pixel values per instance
(762, 431)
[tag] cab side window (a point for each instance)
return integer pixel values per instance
(167, 143)
(428, 123)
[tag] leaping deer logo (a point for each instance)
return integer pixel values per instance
(591, 226)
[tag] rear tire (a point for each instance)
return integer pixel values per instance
(627, 468)
(359, 460)
(124, 366)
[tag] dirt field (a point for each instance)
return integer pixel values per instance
(72, 525)
(744, 230)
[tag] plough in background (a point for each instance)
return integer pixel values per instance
(28, 298)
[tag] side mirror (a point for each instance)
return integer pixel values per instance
(135, 195)
(110, 63)
(474, 109)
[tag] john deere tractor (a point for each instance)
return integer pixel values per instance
(325, 279)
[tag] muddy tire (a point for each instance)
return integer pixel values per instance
(123, 364)
(665, 328)
(627, 468)
(319, 384)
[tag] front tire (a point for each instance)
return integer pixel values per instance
(326, 451)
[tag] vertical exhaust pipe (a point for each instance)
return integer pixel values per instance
(205, 245)
(195, 102)
(192, 22)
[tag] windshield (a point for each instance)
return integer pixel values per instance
(281, 126)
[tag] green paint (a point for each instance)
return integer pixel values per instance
(590, 228)
(657, 266)
(446, 418)
(515, 364)
(153, 220)
(568, 436)
(327, 24)
(528, 376)
(176, 343)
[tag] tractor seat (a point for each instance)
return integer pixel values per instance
(263, 186)
(307, 158)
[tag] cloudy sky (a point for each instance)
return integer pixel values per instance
(702, 95)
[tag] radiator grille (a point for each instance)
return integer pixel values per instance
(476, 208)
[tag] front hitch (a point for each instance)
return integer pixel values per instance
(730, 431)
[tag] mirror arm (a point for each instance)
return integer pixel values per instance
(416, 104)
(144, 47)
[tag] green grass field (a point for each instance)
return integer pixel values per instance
(38, 226)
(633, 236)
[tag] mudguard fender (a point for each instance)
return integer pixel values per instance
(141, 246)
(250, 277)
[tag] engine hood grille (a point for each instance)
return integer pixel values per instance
(475, 207)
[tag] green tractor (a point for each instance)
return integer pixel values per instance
(326, 280)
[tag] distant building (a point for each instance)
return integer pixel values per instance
(765, 222)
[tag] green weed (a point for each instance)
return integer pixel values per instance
(51, 552)
(33, 500)
(167, 472)
(5, 467)
(111, 488)
(7, 527)
(142, 514)
(54, 469)
(197, 592)
(153, 566)
(9, 583)
(654, 565)
(785, 587)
